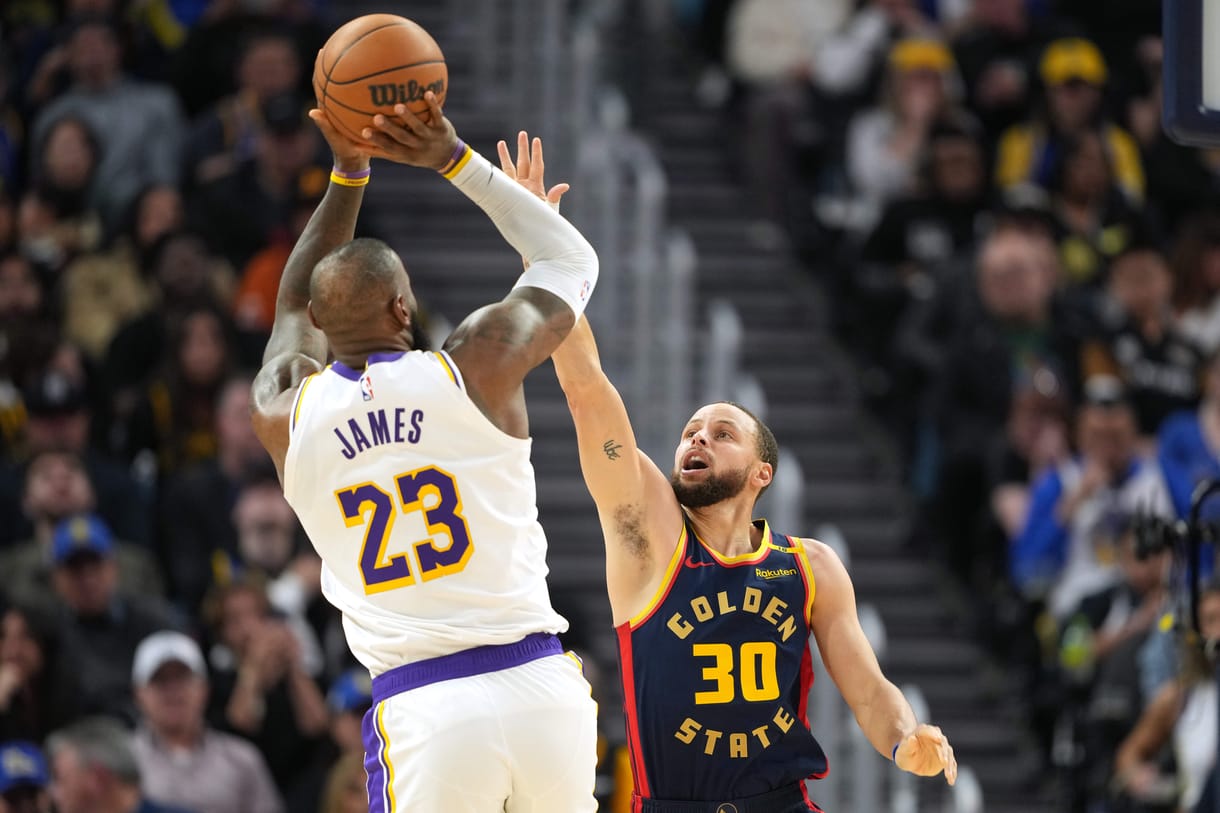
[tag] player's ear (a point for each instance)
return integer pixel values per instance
(764, 475)
(402, 314)
(313, 320)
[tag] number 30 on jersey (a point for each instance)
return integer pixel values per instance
(369, 505)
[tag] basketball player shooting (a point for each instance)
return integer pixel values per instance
(714, 611)
(410, 473)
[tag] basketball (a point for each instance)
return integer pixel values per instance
(373, 63)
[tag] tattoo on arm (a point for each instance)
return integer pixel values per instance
(612, 449)
(501, 328)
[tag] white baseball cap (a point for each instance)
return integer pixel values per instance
(165, 647)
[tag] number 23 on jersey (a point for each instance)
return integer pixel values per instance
(429, 490)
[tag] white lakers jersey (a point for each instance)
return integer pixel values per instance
(422, 510)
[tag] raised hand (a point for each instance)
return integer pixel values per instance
(926, 752)
(350, 155)
(408, 139)
(529, 169)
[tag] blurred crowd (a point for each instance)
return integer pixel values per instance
(1027, 271)
(163, 642)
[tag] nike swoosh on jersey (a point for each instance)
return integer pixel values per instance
(690, 562)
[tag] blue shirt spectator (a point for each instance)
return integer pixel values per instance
(1066, 549)
(1185, 458)
(1189, 443)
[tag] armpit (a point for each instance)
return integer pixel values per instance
(629, 527)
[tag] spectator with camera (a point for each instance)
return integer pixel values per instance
(1183, 714)
(1119, 621)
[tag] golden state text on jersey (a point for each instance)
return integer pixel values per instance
(717, 671)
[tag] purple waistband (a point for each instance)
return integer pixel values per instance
(476, 661)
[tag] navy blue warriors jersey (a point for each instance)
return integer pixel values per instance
(716, 675)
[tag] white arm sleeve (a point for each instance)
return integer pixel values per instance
(561, 261)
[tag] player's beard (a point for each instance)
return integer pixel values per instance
(713, 489)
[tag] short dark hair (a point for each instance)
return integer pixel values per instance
(352, 273)
(764, 439)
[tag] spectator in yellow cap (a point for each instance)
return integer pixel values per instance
(1074, 74)
(884, 144)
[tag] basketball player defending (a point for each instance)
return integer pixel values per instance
(713, 613)
(410, 472)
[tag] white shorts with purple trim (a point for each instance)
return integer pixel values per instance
(521, 739)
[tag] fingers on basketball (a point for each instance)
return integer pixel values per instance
(373, 62)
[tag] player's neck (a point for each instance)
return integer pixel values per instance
(357, 354)
(726, 527)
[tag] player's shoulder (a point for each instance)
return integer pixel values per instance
(824, 560)
(813, 548)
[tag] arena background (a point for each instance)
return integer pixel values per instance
(942, 246)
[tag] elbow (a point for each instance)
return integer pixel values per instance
(581, 388)
(585, 262)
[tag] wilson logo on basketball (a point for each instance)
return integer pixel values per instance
(404, 92)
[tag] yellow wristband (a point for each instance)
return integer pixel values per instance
(342, 181)
(457, 162)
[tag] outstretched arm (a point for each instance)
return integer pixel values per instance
(880, 709)
(619, 476)
(640, 516)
